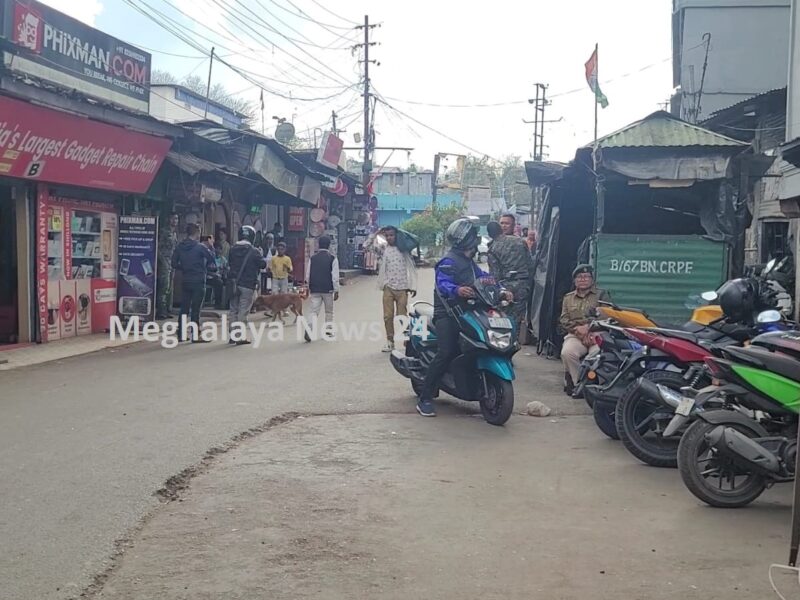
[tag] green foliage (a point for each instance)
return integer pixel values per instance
(429, 226)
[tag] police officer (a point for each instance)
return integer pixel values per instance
(574, 322)
(167, 242)
(509, 253)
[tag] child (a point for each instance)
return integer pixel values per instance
(281, 267)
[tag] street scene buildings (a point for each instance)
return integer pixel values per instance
(247, 247)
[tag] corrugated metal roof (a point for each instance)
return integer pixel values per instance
(663, 130)
(193, 165)
(764, 96)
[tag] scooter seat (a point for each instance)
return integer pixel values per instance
(779, 363)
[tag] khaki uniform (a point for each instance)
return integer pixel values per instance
(574, 309)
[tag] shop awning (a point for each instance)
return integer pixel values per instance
(191, 164)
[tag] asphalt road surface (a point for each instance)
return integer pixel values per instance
(85, 443)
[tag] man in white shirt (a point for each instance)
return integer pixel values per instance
(322, 276)
(397, 278)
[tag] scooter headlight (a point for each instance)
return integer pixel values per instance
(501, 341)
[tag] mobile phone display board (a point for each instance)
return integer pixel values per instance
(136, 282)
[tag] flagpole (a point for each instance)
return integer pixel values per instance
(597, 79)
(598, 186)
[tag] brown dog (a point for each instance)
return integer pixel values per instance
(276, 305)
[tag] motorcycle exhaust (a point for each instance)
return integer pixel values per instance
(742, 450)
(653, 391)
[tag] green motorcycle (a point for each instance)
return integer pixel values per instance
(729, 456)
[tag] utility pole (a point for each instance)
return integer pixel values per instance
(437, 161)
(208, 87)
(333, 125)
(540, 102)
(368, 137)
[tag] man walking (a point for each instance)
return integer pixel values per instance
(281, 267)
(574, 322)
(397, 278)
(509, 254)
(323, 283)
(167, 242)
(244, 265)
(194, 260)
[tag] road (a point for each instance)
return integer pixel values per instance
(85, 443)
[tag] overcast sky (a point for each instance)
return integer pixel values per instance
(432, 52)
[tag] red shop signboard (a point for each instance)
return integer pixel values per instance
(42, 144)
(297, 219)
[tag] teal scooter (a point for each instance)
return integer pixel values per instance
(482, 372)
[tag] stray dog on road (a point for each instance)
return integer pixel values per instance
(276, 305)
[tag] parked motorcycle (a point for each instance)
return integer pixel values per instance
(729, 456)
(607, 375)
(482, 372)
(643, 419)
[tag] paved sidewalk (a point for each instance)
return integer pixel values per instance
(34, 354)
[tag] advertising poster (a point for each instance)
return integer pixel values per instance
(297, 219)
(136, 281)
(83, 305)
(68, 307)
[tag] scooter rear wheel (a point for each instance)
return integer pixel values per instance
(707, 476)
(497, 408)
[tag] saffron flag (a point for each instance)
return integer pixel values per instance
(591, 79)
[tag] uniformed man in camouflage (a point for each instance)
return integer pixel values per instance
(575, 319)
(509, 253)
(167, 242)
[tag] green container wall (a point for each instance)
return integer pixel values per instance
(658, 273)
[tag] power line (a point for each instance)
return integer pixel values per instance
(434, 130)
(330, 12)
(176, 29)
(305, 16)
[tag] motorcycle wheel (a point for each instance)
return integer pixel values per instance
(497, 408)
(604, 419)
(706, 475)
(640, 422)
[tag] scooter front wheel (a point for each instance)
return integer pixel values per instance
(499, 404)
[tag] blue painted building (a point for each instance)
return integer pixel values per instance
(403, 194)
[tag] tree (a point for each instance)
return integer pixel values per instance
(429, 226)
(163, 77)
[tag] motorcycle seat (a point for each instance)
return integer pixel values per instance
(782, 364)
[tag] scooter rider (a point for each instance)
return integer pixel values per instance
(455, 274)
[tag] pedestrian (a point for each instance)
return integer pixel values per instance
(397, 278)
(508, 223)
(455, 275)
(574, 322)
(244, 264)
(510, 264)
(281, 268)
(223, 244)
(322, 276)
(277, 232)
(214, 282)
(530, 240)
(167, 242)
(220, 298)
(194, 260)
(269, 252)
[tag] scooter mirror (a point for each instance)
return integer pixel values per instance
(709, 296)
(769, 267)
(768, 316)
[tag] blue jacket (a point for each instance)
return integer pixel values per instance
(447, 284)
(193, 260)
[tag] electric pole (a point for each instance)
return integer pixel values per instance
(208, 87)
(333, 119)
(540, 102)
(368, 137)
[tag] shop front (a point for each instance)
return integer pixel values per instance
(68, 178)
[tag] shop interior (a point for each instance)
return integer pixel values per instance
(9, 321)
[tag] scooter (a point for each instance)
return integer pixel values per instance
(483, 371)
(728, 457)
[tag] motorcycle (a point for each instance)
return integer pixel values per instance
(483, 371)
(728, 456)
(623, 358)
(647, 422)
